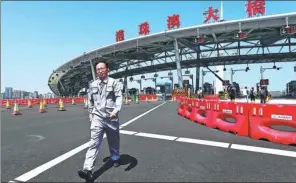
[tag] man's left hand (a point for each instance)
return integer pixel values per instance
(113, 116)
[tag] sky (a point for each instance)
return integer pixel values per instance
(38, 37)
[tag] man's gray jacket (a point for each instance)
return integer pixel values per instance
(104, 97)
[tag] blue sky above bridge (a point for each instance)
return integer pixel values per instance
(38, 37)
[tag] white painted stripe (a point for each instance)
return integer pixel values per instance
(203, 142)
(33, 173)
(132, 120)
(156, 136)
(264, 150)
(127, 132)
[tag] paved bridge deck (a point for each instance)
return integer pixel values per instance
(156, 145)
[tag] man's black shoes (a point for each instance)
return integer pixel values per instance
(85, 174)
(116, 163)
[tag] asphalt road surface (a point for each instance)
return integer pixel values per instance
(156, 145)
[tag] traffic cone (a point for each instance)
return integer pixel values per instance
(147, 99)
(7, 106)
(85, 103)
(16, 110)
(137, 100)
(73, 101)
(126, 101)
(62, 107)
(29, 103)
(41, 107)
(44, 103)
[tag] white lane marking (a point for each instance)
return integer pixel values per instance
(127, 132)
(33, 173)
(37, 137)
(214, 143)
(151, 135)
(203, 142)
(264, 150)
(132, 120)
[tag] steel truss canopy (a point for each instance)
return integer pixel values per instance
(245, 41)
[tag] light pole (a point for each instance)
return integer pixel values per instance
(203, 73)
(153, 79)
(139, 81)
(232, 71)
(267, 68)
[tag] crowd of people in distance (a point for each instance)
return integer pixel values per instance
(263, 94)
(251, 94)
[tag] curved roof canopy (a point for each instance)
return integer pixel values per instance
(156, 52)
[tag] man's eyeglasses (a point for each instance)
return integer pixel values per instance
(101, 69)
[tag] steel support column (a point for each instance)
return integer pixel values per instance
(92, 69)
(197, 75)
(197, 72)
(125, 81)
(231, 76)
(178, 64)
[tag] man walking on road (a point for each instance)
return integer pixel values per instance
(104, 103)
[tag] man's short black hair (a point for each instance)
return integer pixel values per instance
(106, 64)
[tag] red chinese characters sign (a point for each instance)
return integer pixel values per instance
(120, 35)
(173, 21)
(255, 7)
(211, 14)
(144, 28)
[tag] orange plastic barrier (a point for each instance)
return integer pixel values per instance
(36, 101)
(188, 108)
(263, 117)
(178, 97)
(231, 117)
(181, 106)
(202, 112)
(148, 96)
(211, 97)
(245, 119)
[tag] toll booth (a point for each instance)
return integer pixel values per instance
(133, 91)
(149, 90)
(164, 90)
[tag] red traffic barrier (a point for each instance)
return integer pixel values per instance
(188, 108)
(181, 106)
(211, 97)
(231, 117)
(263, 117)
(202, 112)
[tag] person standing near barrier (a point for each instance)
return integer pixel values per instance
(245, 93)
(104, 102)
(199, 93)
(263, 95)
(252, 95)
(232, 93)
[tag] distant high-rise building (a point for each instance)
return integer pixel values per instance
(17, 94)
(8, 93)
(291, 88)
(36, 94)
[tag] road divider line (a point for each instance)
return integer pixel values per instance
(127, 132)
(136, 118)
(156, 136)
(264, 150)
(33, 173)
(277, 152)
(203, 142)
